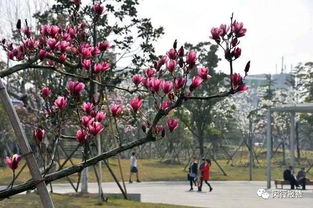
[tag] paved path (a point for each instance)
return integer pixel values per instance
(225, 194)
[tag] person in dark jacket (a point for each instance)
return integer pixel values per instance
(205, 174)
(192, 173)
(288, 176)
(301, 177)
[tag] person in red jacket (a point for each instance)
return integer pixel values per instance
(205, 174)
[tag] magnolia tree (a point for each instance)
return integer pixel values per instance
(87, 105)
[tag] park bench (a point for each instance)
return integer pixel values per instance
(283, 182)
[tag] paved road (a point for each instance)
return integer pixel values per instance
(225, 194)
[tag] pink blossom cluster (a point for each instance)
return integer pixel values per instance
(91, 122)
(169, 78)
(228, 38)
(53, 44)
(178, 65)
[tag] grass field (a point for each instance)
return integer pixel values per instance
(76, 201)
(156, 170)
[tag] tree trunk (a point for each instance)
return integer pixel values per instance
(201, 146)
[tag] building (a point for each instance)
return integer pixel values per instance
(278, 81)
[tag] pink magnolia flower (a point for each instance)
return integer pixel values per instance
(39, 134)
(155, 85)
(116, 109)
(42, 54)
(31, 44)
(237, 83)
(172, 124)
(235, 42)
(98, 9)
(203, 73)
(67, 37)
(105, 66)
(87, 107)
(163, 60)
(44, 30)
(170, 65)
(191, 57)
(60, 102)
(13, 161)
(146, 82)
(51, 43)
(97, 68)
(137, 78)
(166, 104)
(95, 128)
(53, 30)
(196, 82)
(83, 25)
(93, 113)
(172, 54)
(81, 136)
(95, 51)
(236, 52)
(26, 31)
(86, 64)
(101, 67)
(215, 34)
(223, 30)
(63, 46)
(149, 73)
(158, 128)
(46, 92)
(181, 51)
(100, 116)
(76, 87)
(103, 46)
(42, 40)
(10, 55)
(167, 87)
(62, 58)
(136, 103)
(179, 82)
(72, 32)
(238, 29)
(86, 120)
(86, 52)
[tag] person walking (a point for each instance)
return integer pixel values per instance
(192, 173)
(205, 174)
(133, 167)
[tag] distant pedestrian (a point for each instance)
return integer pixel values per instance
(288, 176)
(205, 174)
(133, 167)
(301, 177)
(192, 173)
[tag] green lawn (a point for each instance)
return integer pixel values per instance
(76, 201)
(155, 170)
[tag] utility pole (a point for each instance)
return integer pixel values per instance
(250, 150)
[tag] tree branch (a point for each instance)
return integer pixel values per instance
(31, 184)
(225, 94)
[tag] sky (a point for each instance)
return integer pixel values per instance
(275, 28)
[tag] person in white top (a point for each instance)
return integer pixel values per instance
(133, 167)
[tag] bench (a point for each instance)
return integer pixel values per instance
(283, 182)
